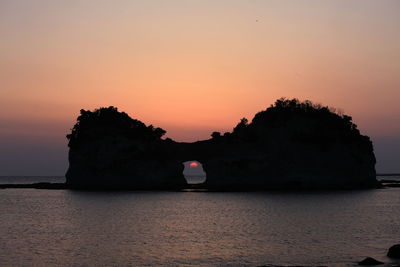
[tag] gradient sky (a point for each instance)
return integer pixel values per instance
(191, 67)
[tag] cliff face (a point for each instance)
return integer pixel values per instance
(290, 145)
(292, 166)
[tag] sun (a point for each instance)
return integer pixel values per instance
(193, 164)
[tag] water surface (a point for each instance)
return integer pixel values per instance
(73, 228)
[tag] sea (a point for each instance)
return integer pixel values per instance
(76, 228)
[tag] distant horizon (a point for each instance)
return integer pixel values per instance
(194, 175)
(381, 151)
(61, 161)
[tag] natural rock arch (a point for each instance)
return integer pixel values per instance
(290, 145)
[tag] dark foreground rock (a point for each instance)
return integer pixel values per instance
(394, 251)
(272, 265)
(291, 145)
(370, 261)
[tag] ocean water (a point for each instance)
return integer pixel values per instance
(76, 228)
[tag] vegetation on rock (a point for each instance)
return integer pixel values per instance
(290, 145)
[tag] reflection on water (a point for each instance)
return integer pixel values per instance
(64, 228)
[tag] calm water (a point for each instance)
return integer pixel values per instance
(68, 228)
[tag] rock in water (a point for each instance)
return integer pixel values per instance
(291, 145)
(110, 150)
(394, 251)
(370, 261)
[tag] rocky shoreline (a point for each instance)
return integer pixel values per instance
(43, 185)
(390, 183)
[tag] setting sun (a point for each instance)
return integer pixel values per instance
(193, 164)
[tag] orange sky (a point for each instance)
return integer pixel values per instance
(193, 67)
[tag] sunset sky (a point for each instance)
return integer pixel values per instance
(191, 67)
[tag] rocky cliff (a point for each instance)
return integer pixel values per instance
(290, 145)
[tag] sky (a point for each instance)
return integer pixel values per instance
(191, 67)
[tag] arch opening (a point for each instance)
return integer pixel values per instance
(193, 172)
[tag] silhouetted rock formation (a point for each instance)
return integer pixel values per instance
(290, 145)
(370, 261)
(394, 251)
(295, 145)
(109, 150)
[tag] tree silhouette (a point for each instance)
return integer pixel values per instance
(216, 135)
(108, 121)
